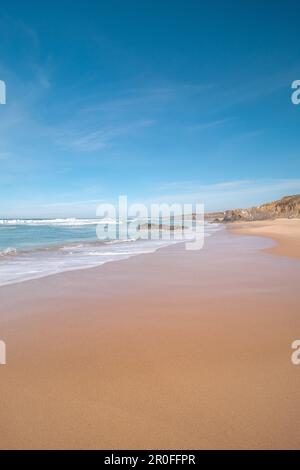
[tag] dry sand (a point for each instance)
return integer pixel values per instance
(176, 349)
(286, 232)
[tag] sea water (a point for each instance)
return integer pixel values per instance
(35, 248)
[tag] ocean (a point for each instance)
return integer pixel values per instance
(31, 249)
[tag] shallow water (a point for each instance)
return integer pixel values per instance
(31, 249)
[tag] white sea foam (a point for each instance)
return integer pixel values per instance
(72, 222)
(8, 252)
(45, 261)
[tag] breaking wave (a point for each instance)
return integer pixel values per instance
(71, 222)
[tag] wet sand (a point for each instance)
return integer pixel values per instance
(171, 350)
(286, 232)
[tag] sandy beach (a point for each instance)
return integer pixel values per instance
(286, 232)
(170, 350)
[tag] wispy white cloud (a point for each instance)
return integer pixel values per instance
(247, 91)
(227, 194)
(100, 138)
(203, 126)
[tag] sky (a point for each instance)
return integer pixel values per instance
(182, 101)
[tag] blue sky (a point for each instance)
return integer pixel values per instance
(161, 101)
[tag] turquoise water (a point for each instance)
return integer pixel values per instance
(31, 249)
(26, 237)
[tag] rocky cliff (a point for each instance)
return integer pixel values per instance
(288, 207)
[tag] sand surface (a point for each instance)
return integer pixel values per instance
(176, 349)
(286, 232)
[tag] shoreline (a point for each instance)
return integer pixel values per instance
(37, 261)
(148, 249)
(173, 349)
(285, 232)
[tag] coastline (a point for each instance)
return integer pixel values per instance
(149, 228)
(285, 232)
(173, 349)
(53, 251)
